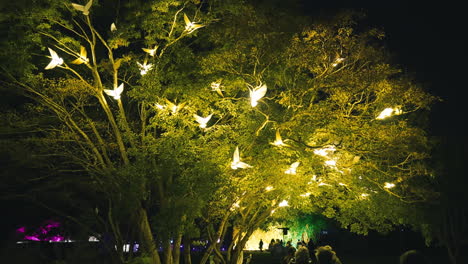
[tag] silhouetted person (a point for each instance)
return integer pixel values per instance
(326, 255)
(311, 247)
(302, 255)
(260, 245)
(413, 257)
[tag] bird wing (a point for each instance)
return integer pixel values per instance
(187, 20)
(119, 89)
(236, 158)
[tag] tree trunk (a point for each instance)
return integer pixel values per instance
(148, 245)
(187, 250)
(176, 249)
(167, 249)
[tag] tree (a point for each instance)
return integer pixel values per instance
(228, 113)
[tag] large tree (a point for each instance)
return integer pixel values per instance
(232, 113)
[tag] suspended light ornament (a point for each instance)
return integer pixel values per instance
(152, 51)
(55, 61)
(202, 121)
(81, 57)
(387, 112)
(191, 26)
(116, 92)
(257, 93)
(216, 86)
(278, 141)
(145, 67)
(236, 163)
(292, 168)
(84, 9)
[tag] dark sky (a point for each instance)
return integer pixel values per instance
(429, 42)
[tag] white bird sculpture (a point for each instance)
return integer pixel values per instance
(236, 163)
(202, 121)
(85, 8)
(292, 168)
(116, 92)
(56, 60)
(191, 26)
(257, 93)
(82, 56)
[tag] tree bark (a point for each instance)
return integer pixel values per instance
(146, 237)
(187, 249)
(176, 249)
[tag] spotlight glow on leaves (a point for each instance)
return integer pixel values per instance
(236, 163)
(116, 92)
(283, 203)
(56, 60)
(85, 8)
(389, 185)
(256, 94)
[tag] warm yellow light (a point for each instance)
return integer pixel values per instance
(256, 94)
(269, 188)
(389, 185)
(113, 27)
(116, 92)
(305, 194)
(191, 26)
(83, 9)
(236, 163)
(283, 203)
(56, 60)
(292, 168)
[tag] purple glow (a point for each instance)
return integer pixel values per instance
(32, 238)
(42, 233)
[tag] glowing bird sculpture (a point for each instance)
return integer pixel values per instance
(191, 26)
(216, 86)
(116, 92)
(152, 51)
(236, 163)
(257, 93)
(145, 67)
(387, 112)
(292, 169)
(202, 121)
(278, 140)
(173, 107)
(82, 57)
(56, 60)
(113, 27)
(84, 9)
(283, 203)
(389, 185)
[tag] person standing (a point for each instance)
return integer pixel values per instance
(260, 245)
